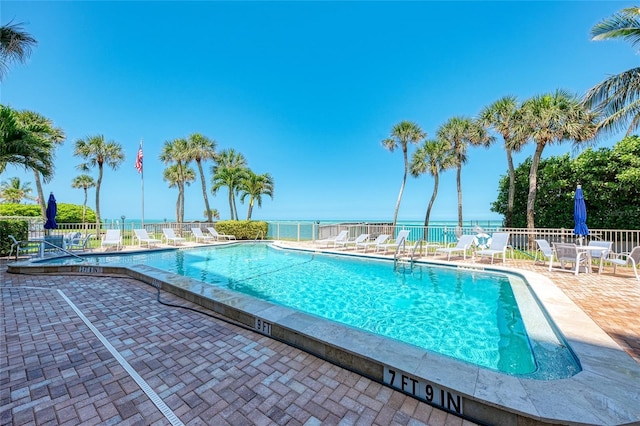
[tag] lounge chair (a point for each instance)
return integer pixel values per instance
(401, 239)
(625, 259)
(217, 235)
(111, 238)
(499, 245)
(341, 237)
(464, 243)
(143, 237)
(359, 239)
(600, 256)
(569, 253)
(79, 243)
(170, 236)
(545, 251)
(199, 235)
(381, 239)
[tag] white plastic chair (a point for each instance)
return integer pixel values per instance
(143, 237)
(199, 235)
(359, 239)
(464, 243)
(381, 239)
(569, 253)
(499, 245)
(170, 235)
(545, 251)
(218, 236)
(602, 256)
(401, 239)
(111, 238)
(627, 259)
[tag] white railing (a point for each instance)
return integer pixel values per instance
(520, 239)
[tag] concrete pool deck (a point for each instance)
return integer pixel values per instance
(603, 393)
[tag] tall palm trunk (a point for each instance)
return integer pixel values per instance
(98, 184)
(250, 209)
(84, 205)
(404, 181)
(204, 190)
(458, 179)
(436, 181)
(512, 189)
(231, 203)
(43, 205)
(533, 183)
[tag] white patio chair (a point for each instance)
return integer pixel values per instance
(170, 236)
(464, 244)
(545, 251)
(381, 239)
(143, 238)
(359, 239)
(79, 243)
(627, 259)
(218, 236)
(498, 246)
(569, 253)
(603, 255)
(400, 240)
(199, 235)
(111, 238)
(21, 246)
(341, 237)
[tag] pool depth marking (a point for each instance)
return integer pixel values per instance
(423, 390)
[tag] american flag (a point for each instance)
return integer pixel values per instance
(139, 159)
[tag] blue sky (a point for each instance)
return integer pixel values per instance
(306, 91)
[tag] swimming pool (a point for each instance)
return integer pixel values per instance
(470, 315)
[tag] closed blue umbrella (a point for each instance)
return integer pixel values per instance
(580, 214)
(52, 210)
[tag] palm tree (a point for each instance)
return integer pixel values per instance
(552, 119)
(18, 146)
(432, 157)
(48, 136)
(96, 152)
(255, 186)
(618, 97)
(460, 132)
(14, 191)
(85, 182)
(15, 46)
(230, 170)
(200, 148)
(178, 176)
(177, 151)
(503, 116)
(402, 135)
(213, 213)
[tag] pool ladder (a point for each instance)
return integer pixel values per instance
(260, 235)
(410, 260)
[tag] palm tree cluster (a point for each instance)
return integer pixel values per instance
(229, 171)
(543, 120)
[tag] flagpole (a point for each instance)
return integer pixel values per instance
(142, 183)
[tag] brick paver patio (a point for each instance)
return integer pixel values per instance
(56, 370)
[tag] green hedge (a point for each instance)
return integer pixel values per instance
(17, 228)
(67, 213)
(243, 229)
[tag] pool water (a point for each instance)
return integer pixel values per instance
(469, 315)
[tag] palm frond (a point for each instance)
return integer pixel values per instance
(624, 25)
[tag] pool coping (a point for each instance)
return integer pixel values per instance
(605, 392)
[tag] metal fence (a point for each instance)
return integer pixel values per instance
(623, 240)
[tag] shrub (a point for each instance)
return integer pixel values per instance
(17, 228)
(243, 229)
(67, 213)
